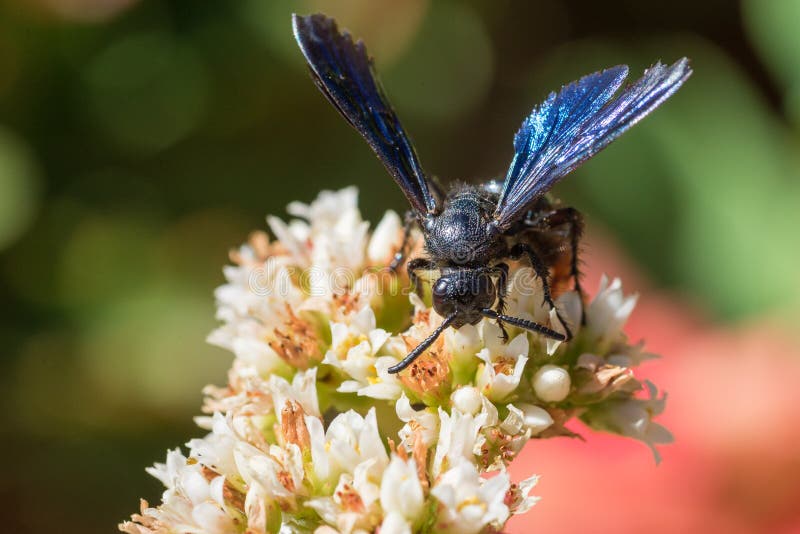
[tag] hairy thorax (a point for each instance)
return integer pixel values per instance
(461, 234)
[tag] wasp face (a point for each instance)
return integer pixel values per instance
(463, 293)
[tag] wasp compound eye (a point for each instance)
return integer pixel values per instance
(442, 296)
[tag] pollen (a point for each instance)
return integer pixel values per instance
(349, 342)
(350, 499)
(293, 425)
(472, 501)
(504, 365)
(298, 343)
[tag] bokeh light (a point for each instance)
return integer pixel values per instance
(772, 28)
(147, 91)
(448, 68)
(19, 187)
(387, 26)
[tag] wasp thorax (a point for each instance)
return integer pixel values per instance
(463, 293)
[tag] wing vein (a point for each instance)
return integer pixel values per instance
(573, 125)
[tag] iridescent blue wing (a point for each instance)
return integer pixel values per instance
(344, 73)
(573, 125)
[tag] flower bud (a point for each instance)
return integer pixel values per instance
(551, 383)
(293, 425)
(535, 418)
(463, 343)
(385, 239)
(467, 400)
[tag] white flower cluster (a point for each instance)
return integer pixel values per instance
(312, 434)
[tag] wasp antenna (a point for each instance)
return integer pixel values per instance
(423, 346)
(523, 323)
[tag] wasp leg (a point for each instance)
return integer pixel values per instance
(524, 323)
(541, 271)
(418, 264)
(574, 218)
(501, 270)
(410, 219)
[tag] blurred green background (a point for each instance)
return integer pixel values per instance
(139, 141)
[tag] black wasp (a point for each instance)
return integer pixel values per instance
(472, 229)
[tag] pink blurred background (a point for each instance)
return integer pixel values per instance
(734, 409)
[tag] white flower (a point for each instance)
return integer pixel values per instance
(423, 422)
(254, 299)
(464, 344)
(467, 399)
(354, 439)
(302, 390)
(633, 417)
(394, 523)
(257, 300)
(519, 499)
(401, 491)
(268, 462)
(527, 417)
(349, 440)
(470, 503)
(386, 239)
(570, 306)
(353, 507)
(526, 298)
(279, 471)
(459, 438)
(333, 224)
(191, 502)
(503, 364)
(552, 383)
(319, 452)
(354, 346)
(327, 210)
(550, 343)
(169, 472)
(384, 385)
(258, 354)
(630, 356)
(609, 310)
(216, 449)
(256, 508)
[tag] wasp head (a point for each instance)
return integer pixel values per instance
(463, 293)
